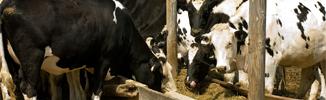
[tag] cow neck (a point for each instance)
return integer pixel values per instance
(148, 15)
(139, 51)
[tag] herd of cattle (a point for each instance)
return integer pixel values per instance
(128, 38)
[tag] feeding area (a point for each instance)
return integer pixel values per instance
(162, 49)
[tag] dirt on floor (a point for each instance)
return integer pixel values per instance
(210, 91)
(214, 91)
(292, 77)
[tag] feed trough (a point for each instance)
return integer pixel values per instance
(115, 86)
(145, 93)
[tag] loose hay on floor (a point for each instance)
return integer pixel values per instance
(212, 92)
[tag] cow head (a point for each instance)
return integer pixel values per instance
(200, 65)
(200, 14)
(225, 46)
(150, 73)
(194, 15)
(222, 42)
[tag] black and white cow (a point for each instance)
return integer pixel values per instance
(203, 18)
(157, 42)
(150, 19)
(295, 35)
(80, 32)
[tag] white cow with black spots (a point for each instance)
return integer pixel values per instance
(184, 37)
(295, 36)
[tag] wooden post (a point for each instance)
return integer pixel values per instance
(171, 22)
(257, 25)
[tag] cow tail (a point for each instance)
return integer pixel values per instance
(9, 71)
(7, 83)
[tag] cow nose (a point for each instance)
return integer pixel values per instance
(195, 31)
(221, 69)
(191, 84)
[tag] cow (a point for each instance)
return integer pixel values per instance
(157, 42)
(80, 32)
(150, 16)
(294, 35)
(155, 37)
(202, 20)
(150, 20)
(200, 66)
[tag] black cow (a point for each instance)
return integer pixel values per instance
(150, 18)
(199, 68)
(203, 17)
(80, 32)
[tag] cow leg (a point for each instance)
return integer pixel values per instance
(270, 72)
(280, 80)
(99, 76)
(243, 79)
(31, 59)
(322, 74)
(55, 88)
(314, 90)
(75, 89)
(307, 78)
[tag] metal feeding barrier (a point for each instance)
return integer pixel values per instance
(149, 94)
(244, 92)
(145, 93)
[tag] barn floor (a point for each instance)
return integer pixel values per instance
(216, 92)
(293, 80)
(212, 92)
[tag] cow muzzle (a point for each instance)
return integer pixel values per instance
(191, 84)
(196, 31)
(221, 68)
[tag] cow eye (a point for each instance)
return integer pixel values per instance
(152, 68)
(229, 45)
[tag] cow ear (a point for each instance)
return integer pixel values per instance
(161, 44)
(208, 6)
(190, 7)
(183, 4)
(240, 35)
(160, 70)
(151, 61)
(155, 64)
(162, 59)
(210, 48)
